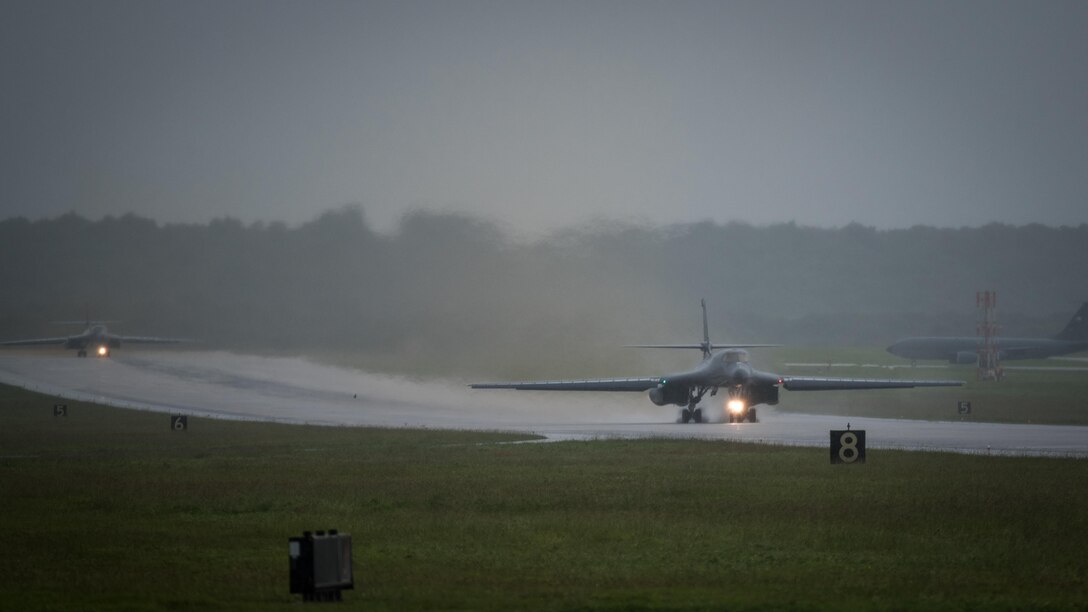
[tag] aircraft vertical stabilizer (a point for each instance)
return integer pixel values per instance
(707, 346)
(1077, 329)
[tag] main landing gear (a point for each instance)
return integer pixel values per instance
(691, 413)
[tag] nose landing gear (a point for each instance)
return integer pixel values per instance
(739, 408)
(748, 415)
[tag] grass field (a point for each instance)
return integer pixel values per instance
(110, 509)
(1025, 396)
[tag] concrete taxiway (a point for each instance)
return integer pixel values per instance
(290, 390)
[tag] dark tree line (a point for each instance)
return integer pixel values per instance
(453, 293)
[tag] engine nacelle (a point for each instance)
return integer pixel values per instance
(763, 395)
(964, 357)
(663, 395)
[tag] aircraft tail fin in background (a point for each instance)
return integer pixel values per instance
(1077, 328)
(706, 345)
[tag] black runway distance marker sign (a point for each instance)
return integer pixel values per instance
(847, 446)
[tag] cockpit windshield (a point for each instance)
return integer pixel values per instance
(736, 356)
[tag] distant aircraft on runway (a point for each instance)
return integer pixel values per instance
(964, 349)
(729, 369)
(95, 336)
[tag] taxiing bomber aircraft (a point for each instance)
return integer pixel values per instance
(95, 336)
(727, 369)
(964, 349)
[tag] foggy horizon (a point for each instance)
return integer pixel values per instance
(543, 117)
(597, 225)
(447, 292)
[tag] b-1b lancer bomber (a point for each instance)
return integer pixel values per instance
(728, 369)
(95, 336)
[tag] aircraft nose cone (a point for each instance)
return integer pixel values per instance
(740, 376)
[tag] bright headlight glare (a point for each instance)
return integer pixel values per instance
(101, 350)
(735, 406)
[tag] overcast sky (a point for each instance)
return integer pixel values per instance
(548, 113)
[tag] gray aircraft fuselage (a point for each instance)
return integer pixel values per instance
(96, 335)
(964, 349)
(730, 370)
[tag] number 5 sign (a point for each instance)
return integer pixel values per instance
(847, 446)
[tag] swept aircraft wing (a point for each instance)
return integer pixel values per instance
(149, 340)
(706, 345)
(791, 383)
(596, 384)
(819, 383)
(35, 341)
(63, 339)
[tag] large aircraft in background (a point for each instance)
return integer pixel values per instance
(728, 369)
(95, 337)
(964, 349)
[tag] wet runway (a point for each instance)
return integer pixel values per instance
(291, 390)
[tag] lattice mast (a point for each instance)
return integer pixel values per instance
(989, 366)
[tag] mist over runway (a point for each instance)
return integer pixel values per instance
(295, 390)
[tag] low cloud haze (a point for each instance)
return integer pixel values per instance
(454, 295)
(542, 182)
(540, 115)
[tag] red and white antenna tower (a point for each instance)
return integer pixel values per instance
(989, 366)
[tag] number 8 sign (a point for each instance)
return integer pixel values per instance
(847, 446)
